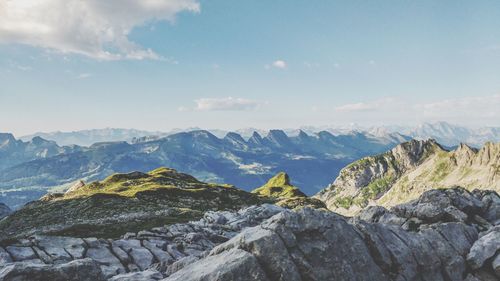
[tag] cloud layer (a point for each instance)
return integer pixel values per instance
(226, 104)
(461, 110)
(94, 28)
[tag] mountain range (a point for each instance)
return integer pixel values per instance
(313, 160)
(410, 169)
(447, 134)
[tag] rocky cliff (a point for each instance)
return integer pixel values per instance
(407, 171)
(448, 234)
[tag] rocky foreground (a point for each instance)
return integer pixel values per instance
(448, 234)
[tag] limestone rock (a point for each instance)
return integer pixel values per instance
(82, 270)
(233, 265)
(146, 275)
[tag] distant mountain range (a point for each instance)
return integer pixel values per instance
(451, 135)
(445, 133)
(313, 160)
(89, 137)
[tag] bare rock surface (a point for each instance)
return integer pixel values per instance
(444, 235)
(135, 256)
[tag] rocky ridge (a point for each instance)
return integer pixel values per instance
(408, 170)
(450, 234)
(133, 256)
(124, 202)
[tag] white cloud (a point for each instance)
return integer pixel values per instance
(483, 107)
(83, 75)
(360, 106)
(465, 110)
(381, 104)
(226, 104)
(94, 28)
(281, 64)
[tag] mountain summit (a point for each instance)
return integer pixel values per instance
(279, 186)
(408, 170)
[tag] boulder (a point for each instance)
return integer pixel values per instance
(82, 270)
(146, 275)
(109, 263)
(21, 253)
(232, 265)
(483, 249)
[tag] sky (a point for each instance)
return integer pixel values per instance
(162, 64)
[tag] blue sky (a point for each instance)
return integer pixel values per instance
(162, 64)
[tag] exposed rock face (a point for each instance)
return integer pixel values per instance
(147, 252)
(82, 270)
(318, 245)
(407, 171)
(4, 210)
(79, 184)
(444, 235)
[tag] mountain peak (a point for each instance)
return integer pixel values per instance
(279, 179)
(234, 136)
(39, 141)
(276, 132)
(277, 138)
(255, 139)
(279, 186)
(4, 137)
(303, 135)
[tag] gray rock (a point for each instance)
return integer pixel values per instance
(61, 248)
(160, 255)
(21, 253)
(483, 249)
(174, 252)
(496, 265)
(4, 257)
(232, 265)
(110, 264)
(180, 264)
(121, 254)
(82, 270)
(142, 257)
(147, 275)
(127, 244)
(326, 248)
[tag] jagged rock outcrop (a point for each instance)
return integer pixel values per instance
(143, 254)
(450, 234)
(380, 245)
(279, 186)
(287, 195)
(407, 171)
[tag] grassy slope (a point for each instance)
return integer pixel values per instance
(279, 186)
(125, 202)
